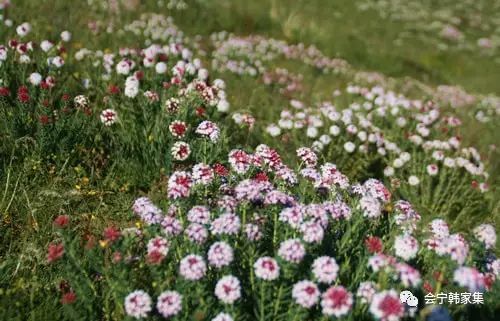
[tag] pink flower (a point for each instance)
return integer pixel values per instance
(208, 129)
(169, 303)
(240, 161)
(292, 250)
(193, 267)
(266, 268)
(228, 289)
(138, 304)
(306, 293)
(179, 185)
(336, 301)
(220, 254)
(386, 306)
(325, 269)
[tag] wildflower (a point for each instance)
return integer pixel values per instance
(439, 228)
(35, 79)
(253, 232)
(312, 232)
(61, 221)
(55, 252)
(199, 214)
(325, 269)
(240, 161)
(196, 233)
(307, 156)
(68, 297)
(180, 151)
(386, 306)
(336, 301)
(81, 101)
(406, 247)
(373, 244)
(123, 67)
(349, 147)
(305, 293)
(138, 304)
(228, 289)
(111, 234)
(161, 67)
(208, 129)
(226, 224)
(192, 267)
(432, 169)
(485, 233)
(292, 250)
(171, 226)
(169, 303)
(222, 317)
(23, 29)
(158, 244)
(266, 268)
(178, 128)
(65, 36)
(469, 278)
(23, 94)
(131, 87)
(220, 254)
(108, 117)
(179, 185)
(366, 291)
(172, 105)
(413, 180)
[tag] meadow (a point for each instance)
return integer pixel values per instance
(231, 160)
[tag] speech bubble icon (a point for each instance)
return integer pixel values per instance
(412, 301)
(403, 296)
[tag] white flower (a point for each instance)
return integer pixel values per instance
(35, 79)
(413, 180)
(65, 36)
(223, 106)
(312, 132)
(123, 67)
(228, 289)
(23, 29)
(349, 147)
(398, 163)
(222, 317)
(432, 169)
(406, 247)
(486, 234)
(46, 45)
(334, 130)
(108, 117)
(161, 67)
(138, 304)
(273, 130)
(388, 171)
